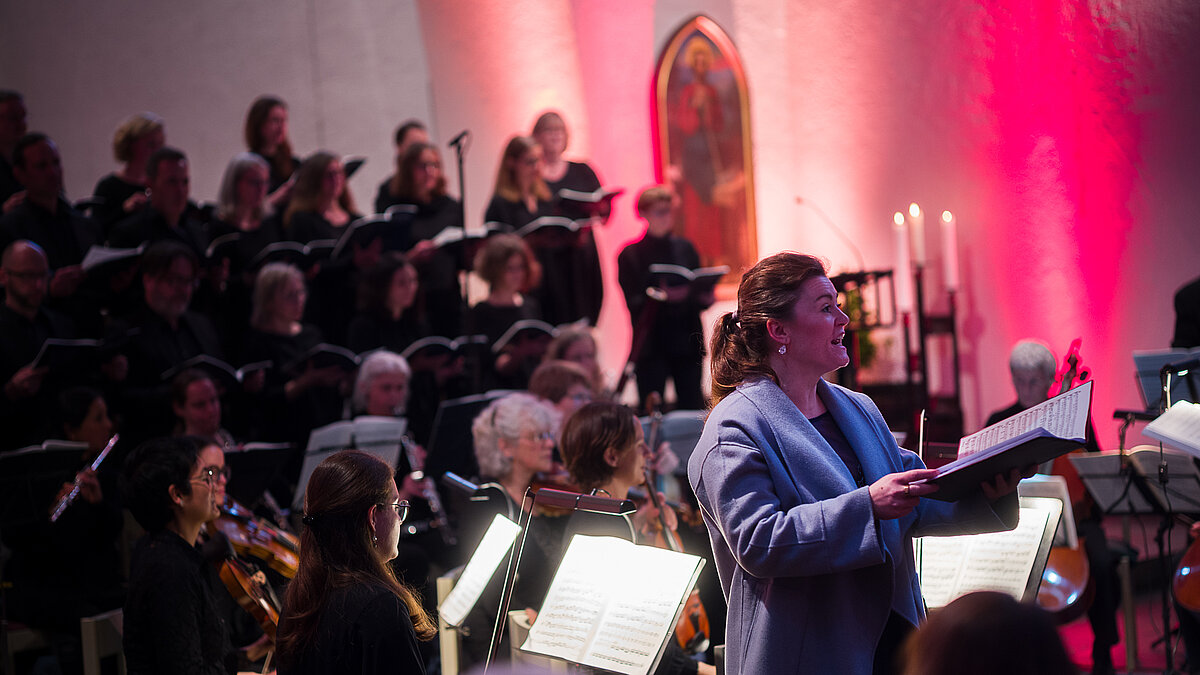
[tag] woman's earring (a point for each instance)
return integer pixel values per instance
(374, 539)
(782, 349)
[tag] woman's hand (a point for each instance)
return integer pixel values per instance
(1002, 485)
(894, 496)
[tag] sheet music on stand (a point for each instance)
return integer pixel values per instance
(479, 570)
(1113, 486)
(613, 604)
(379, 436)
(1010, 562)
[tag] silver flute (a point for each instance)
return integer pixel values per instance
(71, 496)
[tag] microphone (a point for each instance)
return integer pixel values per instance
(460, 138)
(581, 502)
(1180, 367)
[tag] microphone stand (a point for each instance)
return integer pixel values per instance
(559, 498)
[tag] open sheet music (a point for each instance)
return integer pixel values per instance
(1043, 432)
(1009, 562)
(613, 604)
(1178, 427)
(475, 576)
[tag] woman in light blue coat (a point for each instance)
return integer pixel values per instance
(809, 503)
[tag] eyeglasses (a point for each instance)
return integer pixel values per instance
(538, 436)
(211, 475)
(401, 509)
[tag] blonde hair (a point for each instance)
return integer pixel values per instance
(270, 280)
(130, 131)
(506, 177)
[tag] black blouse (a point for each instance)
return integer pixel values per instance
(173, 621)
(363, 629)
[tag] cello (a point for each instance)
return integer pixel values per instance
(1067, 586)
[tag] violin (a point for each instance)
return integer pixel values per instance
(253, 538)
(692, 628)
(252, 592)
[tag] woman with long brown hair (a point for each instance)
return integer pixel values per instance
(266, 135)
(345, 610)
(321, 205)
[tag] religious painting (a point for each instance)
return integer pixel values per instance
(702, 143)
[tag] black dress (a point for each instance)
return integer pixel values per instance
(113, 191)
(173, 621)
(584, 284)
(307, 226)
(363, 629)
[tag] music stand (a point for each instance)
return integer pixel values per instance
(254, 468)
(451, 445)
(1151, 480)
(379, 436)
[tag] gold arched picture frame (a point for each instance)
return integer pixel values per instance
(702, 143)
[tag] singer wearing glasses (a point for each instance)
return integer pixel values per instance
(173, 620)
(345, 611)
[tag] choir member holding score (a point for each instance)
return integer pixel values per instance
(124, 191)
(266, 134)
(320, 206)
(809, 504)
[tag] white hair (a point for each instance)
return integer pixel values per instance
(1032, 356)
(507, 418)
(377, 363)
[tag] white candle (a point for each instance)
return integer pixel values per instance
(950, 250)
(917, 219)
(903, 276)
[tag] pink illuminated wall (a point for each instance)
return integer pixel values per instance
(1063, 134)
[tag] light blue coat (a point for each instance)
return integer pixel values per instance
(809, 573)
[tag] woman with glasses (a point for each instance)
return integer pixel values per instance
(345, 610)
(174, 617)
(514, 443)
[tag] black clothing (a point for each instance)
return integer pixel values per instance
(279, 418)
(153, 347)
(674, 342)
(439, 295)
(362, 629)
(832, 433)
(492, 321)
(113, 191)
(229, 308)
(584, 290)
(515, 215)
(1187, 317)
(148, 225)
(9, 185)
(307, 226)
(372, 331)
(30, 420)
(277, 179)
(173, 621)
(65, 235)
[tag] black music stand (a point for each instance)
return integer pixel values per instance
(254, 468)
(451, 445)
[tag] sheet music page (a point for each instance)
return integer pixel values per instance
(995, 561)
(612, 604)
(1064, 416)
(939, 564)
(1178, 427)
(475, 576)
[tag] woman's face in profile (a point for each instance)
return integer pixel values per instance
(817, 327)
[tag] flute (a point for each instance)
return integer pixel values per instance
(71, 496)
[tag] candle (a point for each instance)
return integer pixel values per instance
(917, 220)
(903, 277)
(950, 250)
